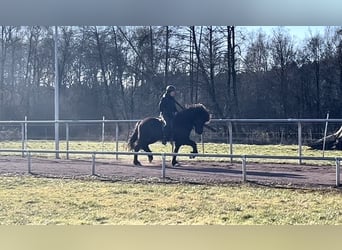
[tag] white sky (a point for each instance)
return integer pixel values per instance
(298, 32)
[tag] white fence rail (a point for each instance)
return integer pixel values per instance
(227, 122)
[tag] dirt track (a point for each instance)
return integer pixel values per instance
(191, 171)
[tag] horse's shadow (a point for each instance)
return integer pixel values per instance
(229, 171)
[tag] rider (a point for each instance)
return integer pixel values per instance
(168, 110)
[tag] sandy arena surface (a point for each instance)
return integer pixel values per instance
(194, 171)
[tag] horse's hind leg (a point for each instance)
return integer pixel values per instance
(135, 161)
(148, 150)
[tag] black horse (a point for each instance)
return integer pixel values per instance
(149, 130)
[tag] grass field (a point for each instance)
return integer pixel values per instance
(28, 200)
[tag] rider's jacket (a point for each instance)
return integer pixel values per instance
(167, 106)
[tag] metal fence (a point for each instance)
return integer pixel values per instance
(243, 158)
(230, 136)
(228, 123)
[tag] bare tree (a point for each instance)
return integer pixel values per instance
(256, 67)
(5, 33)
(283, 53)
(166, 69)
(33, 42)
(233, 107)
(339, 58)
(118, 69)
(103, 67)
(257, 54)
(194, 65)
(208, 77)
(315, 49)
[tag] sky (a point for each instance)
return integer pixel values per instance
(298, 32)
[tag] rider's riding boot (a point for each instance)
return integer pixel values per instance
(164, 140)
(165, 135)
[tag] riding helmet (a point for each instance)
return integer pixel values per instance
(170, 88)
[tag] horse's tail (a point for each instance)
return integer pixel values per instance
(134, 136)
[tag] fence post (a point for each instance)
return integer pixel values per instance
(325, 133)
(25, 133)
(67, 139)
(281, 136)
(300, 143)
(22, 139)
(230, 133)
(202, 142)
(103, 129)
(93, 164)
(117, 139)
(163, 165)
(244, 175)
(338, 169)
(29, 162)
(57, 139)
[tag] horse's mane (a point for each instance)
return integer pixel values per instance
(197, 109)
(197, 106)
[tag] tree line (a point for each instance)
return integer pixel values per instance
(121, 72)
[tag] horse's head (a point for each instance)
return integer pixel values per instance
(201, 117)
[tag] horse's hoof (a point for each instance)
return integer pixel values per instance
(137, 163)
(192, 156)
(175, 164)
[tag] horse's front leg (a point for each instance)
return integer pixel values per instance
(178, 145)
(148, 150)
(194, 147)
(192, 144)
(174, 160)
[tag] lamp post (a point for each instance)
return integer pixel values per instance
(56, 95)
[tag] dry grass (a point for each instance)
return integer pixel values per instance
(28, 200)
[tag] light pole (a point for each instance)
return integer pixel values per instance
(56, 95)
